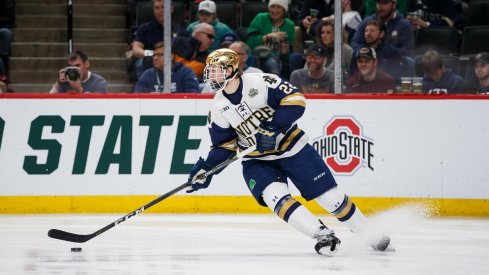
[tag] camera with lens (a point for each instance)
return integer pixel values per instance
(72, 73)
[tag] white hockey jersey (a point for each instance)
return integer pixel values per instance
(234, 119)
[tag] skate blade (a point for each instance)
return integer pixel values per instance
(326, 251)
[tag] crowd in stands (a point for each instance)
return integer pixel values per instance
(295, 39)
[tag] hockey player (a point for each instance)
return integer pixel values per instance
(262, 110)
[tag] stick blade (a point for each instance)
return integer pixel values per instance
(67, 236)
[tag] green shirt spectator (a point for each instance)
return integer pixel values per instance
(371, 7)
(261, 29)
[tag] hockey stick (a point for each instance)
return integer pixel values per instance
(78, 238)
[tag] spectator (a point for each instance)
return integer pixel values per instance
(388, 57)
(77, 78)
(192, 51)
(183, 79)
(398, 31)
(230, 38)
(311, 15)
(369, 79)
(3, 78)
(426, 13)
(325, 36)
(481, 68)
(227, 40)
(273, 33)
(7, 22)
(242, 50)
(351, 17)
(207, 13)
(150, 33)
(437, 79)
(371, 7)
(315, 78)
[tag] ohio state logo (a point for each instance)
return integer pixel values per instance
(343, 147)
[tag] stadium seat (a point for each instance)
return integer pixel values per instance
(478, 13)
(249, 10)
(144, 12)
(242, 33)
(475, 39)
(444, 40)
(227, 12)
(179, 12)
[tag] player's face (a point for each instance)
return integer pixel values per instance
(482, 70)
(372, 34)
(215, 77)
(366, 66)
(216, 73)
(327, 35)
(276, 12)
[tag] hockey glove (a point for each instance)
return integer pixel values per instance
(266, 137)
(197, 182)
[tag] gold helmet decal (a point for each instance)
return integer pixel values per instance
(223, 57)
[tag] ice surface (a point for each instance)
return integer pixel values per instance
(240, 244)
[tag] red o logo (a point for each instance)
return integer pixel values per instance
(338, 125)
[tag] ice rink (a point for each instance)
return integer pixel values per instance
(239, 244)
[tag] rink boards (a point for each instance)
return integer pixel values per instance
(115, 153)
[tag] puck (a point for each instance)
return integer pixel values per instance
(76, 249)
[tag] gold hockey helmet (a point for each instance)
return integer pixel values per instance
(216, 73)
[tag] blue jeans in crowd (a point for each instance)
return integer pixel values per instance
(5, 41)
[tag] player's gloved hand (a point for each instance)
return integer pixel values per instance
(195, 181)
(266, 137)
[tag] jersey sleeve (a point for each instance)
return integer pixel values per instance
(223, 138)
(286, 99)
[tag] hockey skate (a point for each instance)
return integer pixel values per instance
(327, 241)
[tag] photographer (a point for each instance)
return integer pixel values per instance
(76, 78)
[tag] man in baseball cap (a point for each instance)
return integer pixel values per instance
(481, 68)
(207, 6)
(369, 79)
(367, 52)
(316, 49)
(315, 78)
(482, 57)
(228, 39)
(207, 13)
